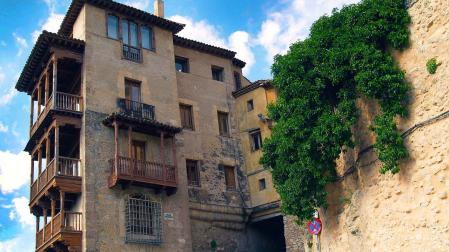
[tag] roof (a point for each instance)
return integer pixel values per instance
(239, 63)
(253, 86)
(77, 5)
(40, 51)
(203, 47)
(141, 124)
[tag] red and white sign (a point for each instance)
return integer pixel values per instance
(315, 226)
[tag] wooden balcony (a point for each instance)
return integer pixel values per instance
(64, 175)
(144, 173)
(63, 103)
(136, 109)
(64, 230)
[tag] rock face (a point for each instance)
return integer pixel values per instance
(407, 211)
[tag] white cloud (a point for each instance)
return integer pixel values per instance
(21, 43)
(292, 23)
(7, 97)
(21, 212)
(14, 171)
(3, 128)
(52, 23)
(202, 31)
(2, 77)
(139, 4)
(23, 241)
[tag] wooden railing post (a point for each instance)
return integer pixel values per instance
(37, 229)
(31, 111)
(32, 176)
(39, 165)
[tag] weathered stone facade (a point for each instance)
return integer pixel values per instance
(407, 211)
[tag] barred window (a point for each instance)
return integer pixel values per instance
(193, 173)
(143, 220)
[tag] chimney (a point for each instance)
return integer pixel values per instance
(159, 8)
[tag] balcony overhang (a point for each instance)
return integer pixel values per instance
(41, 52)
(142, 125)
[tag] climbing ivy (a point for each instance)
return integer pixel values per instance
(346, 56)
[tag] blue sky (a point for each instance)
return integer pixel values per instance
(256, 29)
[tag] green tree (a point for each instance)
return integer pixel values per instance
(346, 56)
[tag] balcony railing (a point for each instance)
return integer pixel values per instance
(136, 109)
(68, 167)
(69, 102)
(62, 222)
(143, 171)
(131, 53)
(63, 101)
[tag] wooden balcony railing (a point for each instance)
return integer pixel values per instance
(62, 222)
(68, 102)
(143, 171)
(136, 109)
(68, 167)
(132, 53)
(63, 101)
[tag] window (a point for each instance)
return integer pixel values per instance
(132, 90)
(193, 173)
(262, 184)
(147, 37)
(250, 105)
(112, 26)
(143, 220)
(138, 150)
(237, 80)
(129, 33)
(223, 125)
(230, 177)
(217, 73)
(256, 140)
(182, 64)
(186, 116)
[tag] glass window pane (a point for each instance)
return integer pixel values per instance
(112, 26)
(125, 32)
(133, 29)
(147, 39)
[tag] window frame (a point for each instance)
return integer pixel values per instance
(221, 128)
(139, 35)
(230, 186)
(250, 105)
(133, 83)
(117, 27)
(217, 68)
(252, 135)
(187, 65)
(143, 217)
(262, 184)
(191, 120)
(237, 80)
(193, 180)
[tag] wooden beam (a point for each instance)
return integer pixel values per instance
(175, 163)
(39, 95)
(46, 86)
(116, 147)
(55, 80)
(130, 141)
(163, 158)
(56, 146)
(53, 212)
(62, 198)
(31, 110)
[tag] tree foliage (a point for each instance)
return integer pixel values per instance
(346, 56)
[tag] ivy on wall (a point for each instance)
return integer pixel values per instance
(346, 56)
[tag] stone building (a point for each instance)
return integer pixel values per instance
(142, 140)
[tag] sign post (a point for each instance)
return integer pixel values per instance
(315, 226)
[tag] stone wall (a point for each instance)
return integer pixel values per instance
(407, 211)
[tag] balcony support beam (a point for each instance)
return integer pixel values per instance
(174, 158)
(61, 212)
(55, 80)
(163, 157)
(130, 141)
(56, 146)
(116, 145)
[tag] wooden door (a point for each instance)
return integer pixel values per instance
(138, 156)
